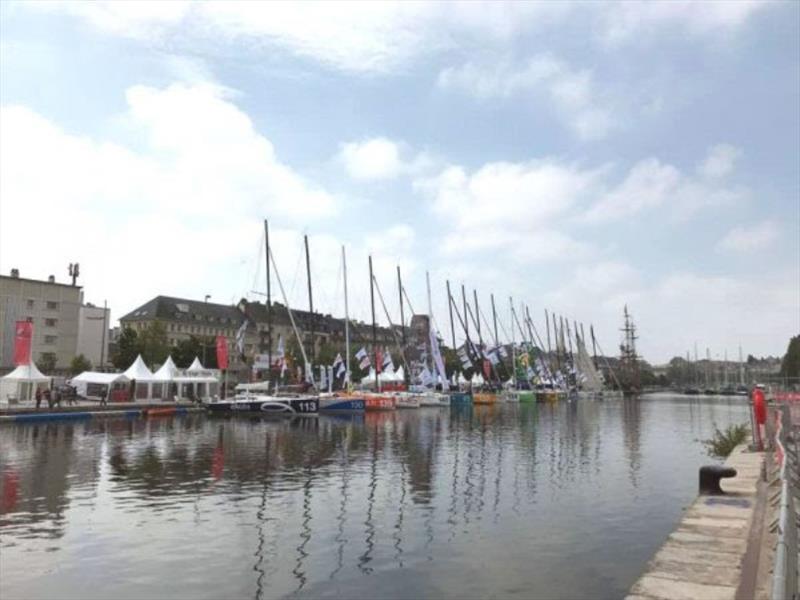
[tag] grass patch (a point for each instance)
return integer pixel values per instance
(724, 441)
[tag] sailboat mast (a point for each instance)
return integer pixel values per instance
(269, 305)
(291, 318)
(402, 313)
(478, 320)
(430, 322)
(494, 318)
(594, 346)
(452, 323)
(513, 343)
(547, 323)
(346, 319)
(741, 367)
(310, 301)
(466, 320)
(374, 326)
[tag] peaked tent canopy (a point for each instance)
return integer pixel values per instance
(196, 366)
(168, 371)
(21, 383)
(139, 371)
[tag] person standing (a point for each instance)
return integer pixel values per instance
(104, 396)
(38, 397)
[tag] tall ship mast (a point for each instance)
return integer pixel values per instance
(629, 360)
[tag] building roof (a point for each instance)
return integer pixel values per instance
(44, 281)
(189, 311)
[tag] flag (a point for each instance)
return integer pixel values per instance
(279, 353)
(363, 359)
(222, 352)
(493, 357)
(323, 377)
(387, 364)
(463, 356)
(503, 352)
(339, 368)
(23, 334)
(378, 359)
(487, 368)
(438, 363)
(240, 337)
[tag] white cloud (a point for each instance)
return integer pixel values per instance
(569, 90)
(374, 37)
(680, 308)
(376, 158)
(651, 183)
(745, 239)
(636, 21)
(720, 161)
(380, 37)
(150, 218)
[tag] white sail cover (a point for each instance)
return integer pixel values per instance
(590, 378)
(139, 371)
(168, 371)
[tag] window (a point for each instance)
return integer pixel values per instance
(29, 303)
(172, 326)
(50, 322)
(52, 305)
(50, 339)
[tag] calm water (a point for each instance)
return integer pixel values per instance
(566, 501)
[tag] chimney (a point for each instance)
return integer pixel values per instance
(51, 278)
(15, 273)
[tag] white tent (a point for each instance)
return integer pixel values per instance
(478, 379)
(21, 384)
(387, 376)
(163, 386)
(90, 384)
(462, 380)
(400, 373)
(143, 377)
(197, 382)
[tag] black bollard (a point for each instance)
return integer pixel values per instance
(710, 476)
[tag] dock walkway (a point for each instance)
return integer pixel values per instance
(714, 552)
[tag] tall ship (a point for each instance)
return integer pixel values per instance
(629, 376)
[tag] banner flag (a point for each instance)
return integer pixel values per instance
(240, 337)
(438, 363)
(23, 335)
(363, 359)
(279, 353)
(487, 368)
(222, 352)
(388, 364)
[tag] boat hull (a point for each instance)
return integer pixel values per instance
(526, 396)
(341, 404)
(484, 398)
(406, 401)
(306, 405)
(376, 402)
(460, 398)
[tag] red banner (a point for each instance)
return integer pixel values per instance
(222, 352)
(487, 368)
(23, 335)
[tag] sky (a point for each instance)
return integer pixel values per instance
(573, 157)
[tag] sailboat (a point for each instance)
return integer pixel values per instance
(346, 400)
(256, 398)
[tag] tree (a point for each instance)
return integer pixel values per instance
(184, 351)
(128, 348)
(790, 365)
(153, 343)
(80, 364)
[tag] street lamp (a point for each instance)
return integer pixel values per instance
(205, 340)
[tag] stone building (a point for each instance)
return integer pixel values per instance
(183, 318)
(54, 308)
(93, 338)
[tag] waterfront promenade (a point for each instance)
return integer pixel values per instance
(705, 556)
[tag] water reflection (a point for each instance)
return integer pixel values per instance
(342, 506)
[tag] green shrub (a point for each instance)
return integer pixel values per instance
(723, 442)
